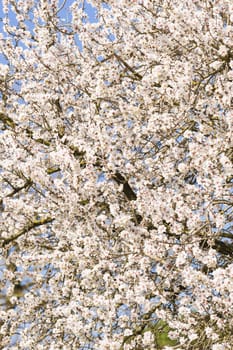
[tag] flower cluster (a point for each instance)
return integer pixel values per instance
(116, 175)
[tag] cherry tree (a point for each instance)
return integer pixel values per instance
(116, 175)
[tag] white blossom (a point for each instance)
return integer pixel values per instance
(116, 174)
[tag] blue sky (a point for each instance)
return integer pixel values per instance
(64, 14)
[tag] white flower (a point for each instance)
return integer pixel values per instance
(192, 336)
(122, 220)
(127, 332)
(223, 50)
(147, 338)
(219, 346)
(181, 258)
(182, 167)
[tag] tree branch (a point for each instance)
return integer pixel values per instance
(29, 226)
